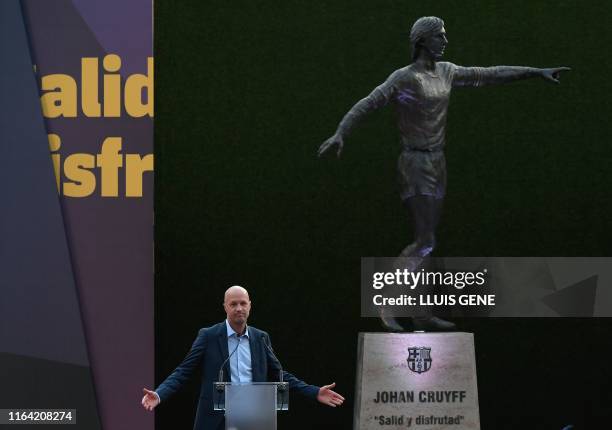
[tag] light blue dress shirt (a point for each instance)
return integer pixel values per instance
(240, 363)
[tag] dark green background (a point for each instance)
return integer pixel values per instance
(245, 93)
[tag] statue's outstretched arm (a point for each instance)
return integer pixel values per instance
(379, 97)
(480, 76)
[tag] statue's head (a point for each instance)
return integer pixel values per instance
(428, 33)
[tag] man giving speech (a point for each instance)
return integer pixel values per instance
(251, 360)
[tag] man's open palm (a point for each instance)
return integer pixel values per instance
(150, 399)
(329, 397)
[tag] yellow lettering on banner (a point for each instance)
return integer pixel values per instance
(133, 93)
(79, 174)
(135, 166)
(75, 174)
(83, 181)
(60, 95)
(112, 86)
(61, 98)
(54, 145)
(89, 88)
(109, 161)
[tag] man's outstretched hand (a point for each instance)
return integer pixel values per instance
(553, 74)
(329, 397)
(150, 399)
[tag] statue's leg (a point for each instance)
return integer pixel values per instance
(426, 211)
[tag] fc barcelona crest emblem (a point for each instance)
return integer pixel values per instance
(419, 359)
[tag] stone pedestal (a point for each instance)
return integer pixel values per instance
(423, 381)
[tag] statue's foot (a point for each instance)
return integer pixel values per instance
(432, 324)
(408, 251)
(390, 323)
(411, 264)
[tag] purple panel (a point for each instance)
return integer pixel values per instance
(43, 354)
(110, 238)
(39, 311)
(121, 27)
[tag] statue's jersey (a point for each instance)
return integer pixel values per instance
(421, 97)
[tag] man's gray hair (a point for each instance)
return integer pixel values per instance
(422, 28)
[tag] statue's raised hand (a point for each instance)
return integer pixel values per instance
(336, 139)
(553, 74)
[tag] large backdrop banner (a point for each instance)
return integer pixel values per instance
(76, 226)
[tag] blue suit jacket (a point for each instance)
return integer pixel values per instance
(208, 352)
